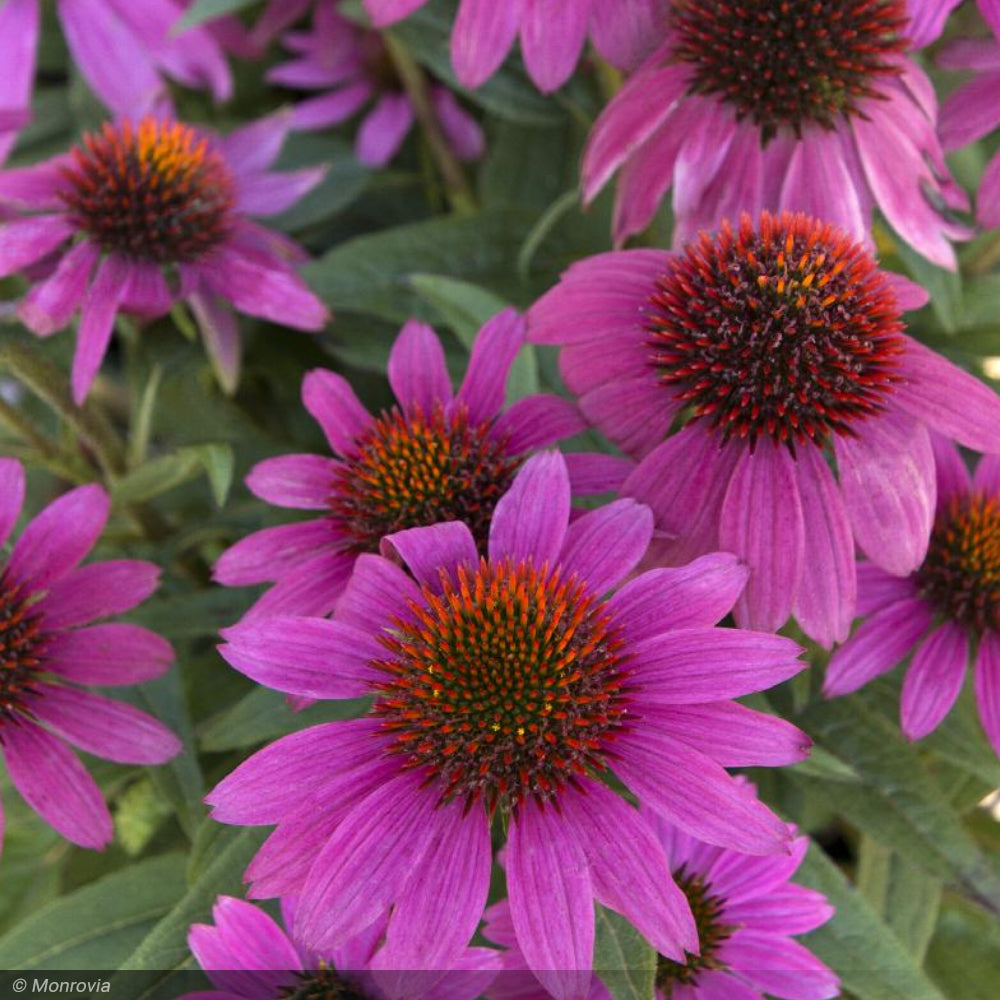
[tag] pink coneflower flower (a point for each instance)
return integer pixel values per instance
(777, 347)
(552, 35)
(126, 50)
(355, 67)
(943, 612)
(504, 686)
(151, 203)
(248, 956)
(45, 656)
(973, 111)
(746, 911)
(436, 456)
(18, 38)
(801, 105)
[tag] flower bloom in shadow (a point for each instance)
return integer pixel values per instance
(945, 612)
(435, 456)
(125, 51)
(248, 956)
(552, 34)
(738, 371)
(141, 215)
(50, 653)
(504, 686)
(354, 66)
(817, 108)
(972, 112)
(746, 910)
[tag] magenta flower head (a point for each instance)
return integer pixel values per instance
(354, 66)
(552, 34)
(943, 612)
(817, 109)
(125, 51)
(436, 456)
(775, 348)
(972, 112)
(141, 215)
(746, 911)
(249, 957)
(47, 658)
(503, 687)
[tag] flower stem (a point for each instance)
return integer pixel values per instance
(414, 80)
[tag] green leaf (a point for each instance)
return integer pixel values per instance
(903, 895)
(217, 460)
(374, 273)
(964, 955)
(156, 476)
(98, 926)
(945, 287)
(265, 715)
(870, 960)
(164, 951)
(463, 306)
(623, 960)
(898, 801)
(208, 10)
(139, 812)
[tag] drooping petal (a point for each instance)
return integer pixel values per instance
(56, 785)
(691, 665)
(934, 680)
(383, 131)
(889, 487)
(552, 37)
(50, 304)
(97, 319)
(105, 728)
(482, 36)
(220, 332)
(701, 593)
(827, 595)
(551, 900)
(108, 655)
(987, 681)
(60, 536)
(11, 495)
(629, 869)
(310, 657)
(25, 241)
(762, 523)
(877, 646)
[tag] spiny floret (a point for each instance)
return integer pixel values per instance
(156, 192)
(21, 648)
(712, 934)
(961, 573)
(418, 469)
(507, 684)
(787, 330)
(790, 62)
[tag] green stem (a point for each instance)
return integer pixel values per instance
(15, 421)
(415, 84)
(46, 381)
(985, 257)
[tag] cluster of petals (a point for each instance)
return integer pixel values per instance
(660, 133)
(552, 34)
(939, 616)
(50, 653)
(782, 510)
(930, 16)
(973, 111)
(310, 562)
(749, 951)
(124, 50)
(362, 825)
(353, 66)
(249, 956)
(249, 267)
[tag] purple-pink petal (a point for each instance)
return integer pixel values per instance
(303, 482)
(431, 550)
(11, 495)
(934, 680)
(987, 684)
(98, 591)
(334, 405)
(110, 655)
(495, 348)
(417, 370)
